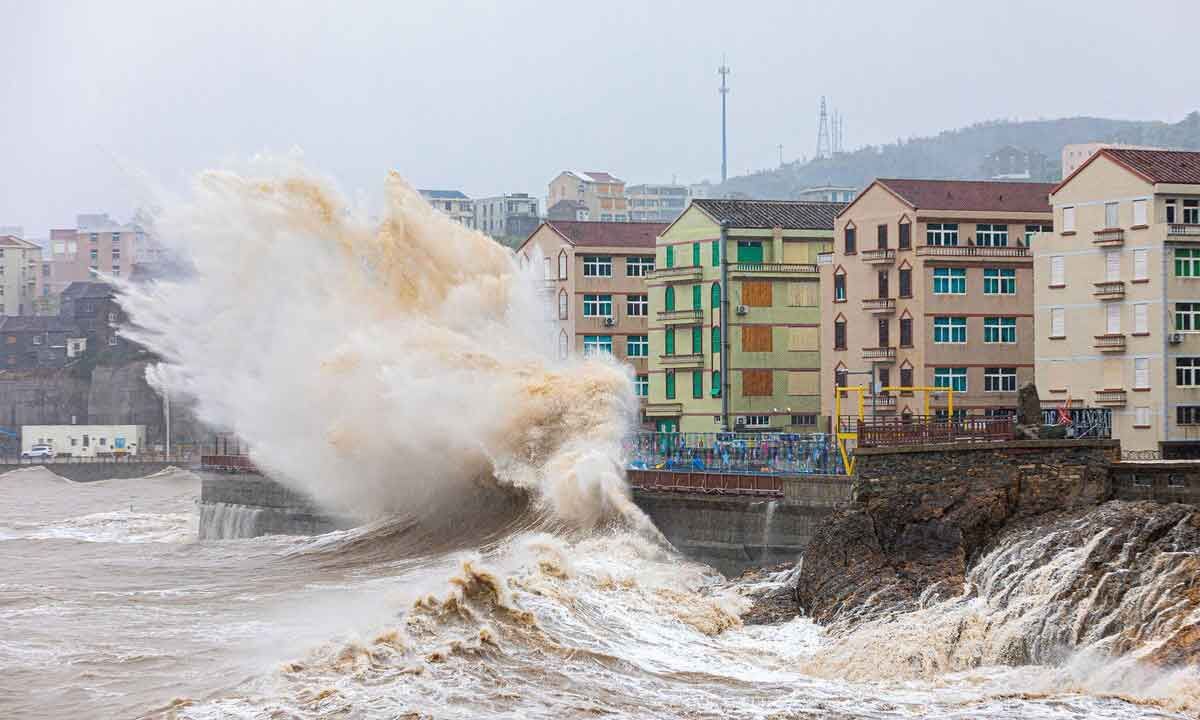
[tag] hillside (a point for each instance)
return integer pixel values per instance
(964, 153)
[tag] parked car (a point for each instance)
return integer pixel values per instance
(39, 451)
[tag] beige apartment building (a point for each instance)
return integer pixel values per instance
(930, 284)
(596, 281)
(96, 245)
(1118, 297)
(1076, 154)
(20, 275)
(602, 193)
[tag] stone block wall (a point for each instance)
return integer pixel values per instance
(1165, 481)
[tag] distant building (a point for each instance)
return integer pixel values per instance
(602, 193)
(511, 215)
(85, 440)
(35, 341)
(1014, 163)
(656, 202)
(97, 244)
(20, 275)
(569, 210)
(1076, 154)
(93, 308)
(454, 203)
(828, 193)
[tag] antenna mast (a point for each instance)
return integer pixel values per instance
(723, 71)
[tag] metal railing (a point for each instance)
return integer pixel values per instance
(1081, 422)
(183, 457)
(929, 429)
(775, 267)
(717, 483)
(734, 453)
(689, 315)
(973, 251)
(1183, 229)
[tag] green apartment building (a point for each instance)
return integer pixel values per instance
(735, 317)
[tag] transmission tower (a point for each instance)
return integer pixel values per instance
(824, 150)
(723, 71)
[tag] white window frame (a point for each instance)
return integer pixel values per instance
(1112, 319)
(1069, 219)
(637, 305)
(1058, 322)
(1187, 369)
(637, 346)
(1140, 216)
(951, 326)
(641, 385)
(1141, 373)
(1058, 271)
(951, 276)
(1112, 265)
(1001, 378)
(564, 305)
(597, 266)
(1000, 326)
(1112, 215)
(601, 343)
(563, 345)
(596, 305)
(941, 234)
(1141, 264)
(639, 266)
(1141, 417)
(563, 265)
(1141, 318)
(950, 374)
(991, 235)
(1190, 311)
(1191, 212)
(998, 280)
(758, 421)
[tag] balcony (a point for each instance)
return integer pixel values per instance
(1184, 230)
(1110, 398)
(879, 306)
(778, 269)
(1110, 290)
(682, 361)
(883, 256)
(687, 273)
(879, 354)
(1108, 237)
(681, 317)
(1110, 343)
(880, 403)
(973, 251)
(664, 409)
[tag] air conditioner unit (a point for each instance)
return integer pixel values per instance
(741, 310)
(740, 421)
(1176, 338)
(608, 322)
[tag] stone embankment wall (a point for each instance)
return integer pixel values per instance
(1162, 481)
(246, 505)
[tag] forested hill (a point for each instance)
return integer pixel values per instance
(977, 152)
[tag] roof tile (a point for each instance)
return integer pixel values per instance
(608, 234)
(786, 214)
(972, 195)
(1160, 166)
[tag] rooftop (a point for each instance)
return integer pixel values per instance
(12, 241)
(444, 194)
(596, 176)
(83, 289)
(1159, 166)
(608, 234)
(971, 195)
(786, 214)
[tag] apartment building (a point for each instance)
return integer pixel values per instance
(20, 275)
(602, 193)
(735, 317)
(454, 203)
(828, 193)
(1075, 155)
(97, 244)
(514, 215)
(1118, 296)
(930, 284)
(596, 276)
(656, 203)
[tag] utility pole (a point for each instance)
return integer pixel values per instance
(823, 144)
(723, 71)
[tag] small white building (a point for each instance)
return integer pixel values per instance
(85, 440)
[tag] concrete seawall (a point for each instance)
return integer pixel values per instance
(94, 471)
(246, 505)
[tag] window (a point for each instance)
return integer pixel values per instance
(1141, 417)
(639, 266)
(905, 236)
(905, 282)
(641, 385)
(839, 288)
(1058, 271)
(806, 419)
(1141, 319)
(696, 254)
(1113, 323)
(839, 335)
(597, 305)
(1058, 322)
(1141, 265)
(37, 339)
(1187, 372)
(716, 339)
(882, 278)
(716, 383)
(883, 332)
(906, 378)
(1111, 215)
(597, 266)
(1187, 316)
(696, 297)
(1031, 230)
(1191, 212)
(949, 329)
(999, 330)
(1139, 212)
(941, 234)
(697, 384)
(850, 242)
(906, 339)
(999, 281)
(716, 252)
(563, 304)
(669, 341)
(949, 281)
(881, 234)
(1187, 262)
(1170, 207)
(669, 299)
(840, 377)
(1068, 219)
(670, 384)
(991, 235)
(546, 269)
(562, 345)
(715, 296)
(697, 340)
(749, 251)
(636, 305)
(593, 344)
(758, 421)
(1141, 373)
(637, 346)
(1187, 415)
(670, 256)
(954, 378)
(998, 379)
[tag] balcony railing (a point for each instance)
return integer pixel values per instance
(775, 268)
(682, 360)
(881, 256)
(926, 429)
(880, 403)
(879, 354)
(1110, 290)
(1191, 229)
(686, 272)
(1108, 236)
(664, 409)
(1110, 398)
(972, 251)
(1112, 342)
(879, 306)
(681, 316)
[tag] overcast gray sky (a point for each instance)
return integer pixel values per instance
(499, 96)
